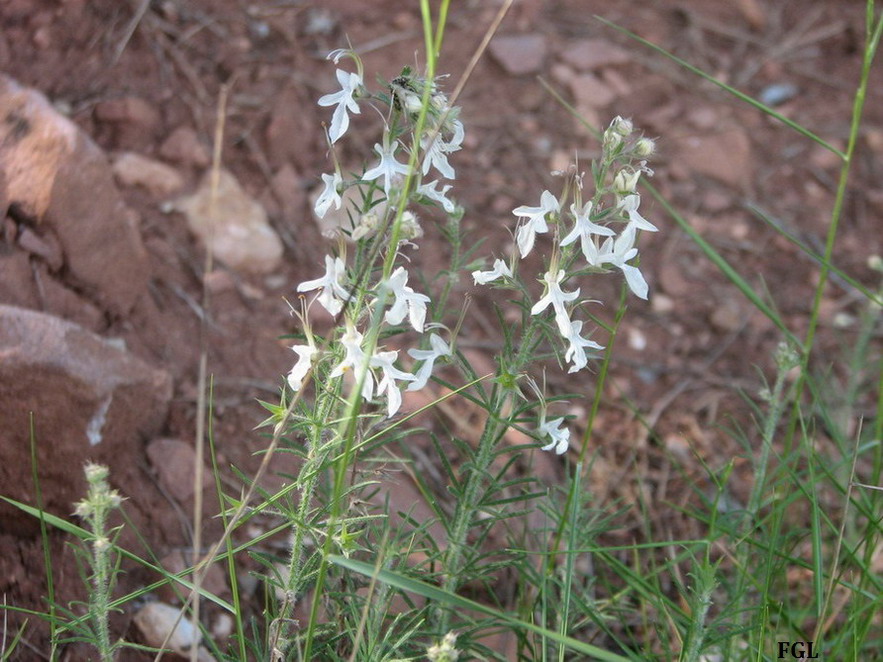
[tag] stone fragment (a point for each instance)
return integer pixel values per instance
(174, 462)
(157, 619)
(727, 316)
(183, 146)
(724, 156)
(133, 121)
(235, 222)
(289, 192)
(157, 178)
(589, 91)
(287, 129)
(57, 177)
(178, 560)
(46, 248)
(96, 400)
(519, 54)
(590, 54)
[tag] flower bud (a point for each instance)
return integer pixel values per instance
(626, 181)
(367, 225)
(611, 140)
(645, 147)
(410, 227)
(622, 127)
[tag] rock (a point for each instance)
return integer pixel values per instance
(724, 156)
(157, 619)
(727, 316)
(46, 248)
(590, 54)
(61, 181)
(519, 54)
(174, 462)
(240, 234)
(589, 91)
(176, 562)
(183, 146)
(289, 192)
(285, 132)
(132, 121)
(96, 400)
(159, 179)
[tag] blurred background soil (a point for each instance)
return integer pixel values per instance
(107, 248)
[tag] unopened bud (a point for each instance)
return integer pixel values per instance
(645, 147)
(410, 227)
(621, 126)
(626, 181)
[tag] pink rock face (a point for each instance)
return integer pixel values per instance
(89, 399)
(60, 181)
(519, 54)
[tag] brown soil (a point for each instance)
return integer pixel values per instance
(682, 358)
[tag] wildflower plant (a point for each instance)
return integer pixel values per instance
(94, 509)
(391, 334)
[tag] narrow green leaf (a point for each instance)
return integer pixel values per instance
(439, 595)
(727, 88)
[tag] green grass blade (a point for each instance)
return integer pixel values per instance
(434, 593)
(726, 269)
(727, 88)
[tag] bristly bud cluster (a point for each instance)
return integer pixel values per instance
(94, 510)
(445, 650)
(589, 235)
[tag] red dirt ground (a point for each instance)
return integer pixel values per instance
(682, 358)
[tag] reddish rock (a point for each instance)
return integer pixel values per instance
(233, 222)
(178, 560)
(174, 462)
(88, 399)
(57, 177)
(183, 146)
(132, 120)
(288, 190)
(589, 91)
(519, 54)
(46, 248)
(724, 156)
(157, 178)
(589, 54)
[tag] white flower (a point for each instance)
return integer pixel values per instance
(330, 196)
(388, 167)
(355, 360)
(576, 352)
(584, 229)
(333, 293)
(436, 153)
(438, 196)
(407, 301)
(340, 120)
(428, 356)
(618, 253)
(558, 298)
(536, 222)
(384, 361)
(629, 204)
(305, 354)
(560, 438)
(500, 269)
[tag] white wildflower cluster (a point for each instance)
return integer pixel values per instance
(597, 235)
(354, 303)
